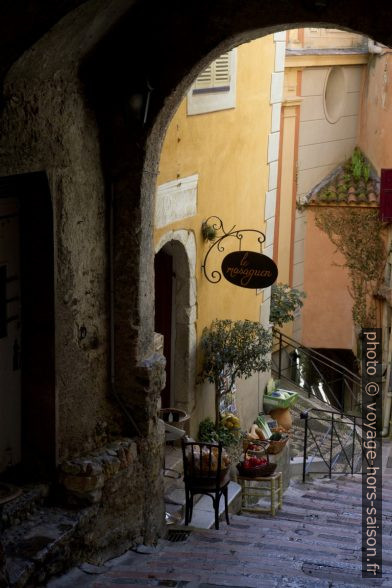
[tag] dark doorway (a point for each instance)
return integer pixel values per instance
(163, 313)
(33, 313)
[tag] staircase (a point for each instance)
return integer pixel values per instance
(315, 374)
(333, 443)
(38, 538)
(314, 541)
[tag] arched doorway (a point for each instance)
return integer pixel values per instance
(175, 315)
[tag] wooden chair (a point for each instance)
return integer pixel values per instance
(203, 474)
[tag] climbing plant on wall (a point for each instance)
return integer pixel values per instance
(357, 234)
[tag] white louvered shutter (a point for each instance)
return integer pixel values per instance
(216, 75)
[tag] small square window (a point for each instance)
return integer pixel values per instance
(215, 88)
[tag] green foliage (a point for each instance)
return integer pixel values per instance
(358, 167)
(308, 372)
(284, 302)
(357, 235)
(208, 232)
(210, 434)
(237, 349)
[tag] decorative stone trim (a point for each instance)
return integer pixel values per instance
(184, 369)
(176, 200)
(83, 479)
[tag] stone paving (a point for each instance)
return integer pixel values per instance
(314, 541)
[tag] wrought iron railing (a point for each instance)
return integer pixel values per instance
(339, 446)
(318, 375)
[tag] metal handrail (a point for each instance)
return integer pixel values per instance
(333, 434)
(312, 351)
(315, 357)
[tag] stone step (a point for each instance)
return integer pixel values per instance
(23, 506)
(42, 545)
(203, 513)
(173, 468)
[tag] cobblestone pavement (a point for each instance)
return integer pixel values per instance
(314, 541)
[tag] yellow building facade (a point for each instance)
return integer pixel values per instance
(219, 159)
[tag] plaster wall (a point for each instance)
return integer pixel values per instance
(322, 146)
(376, 108)
(326, 314)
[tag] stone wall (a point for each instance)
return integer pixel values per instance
(46, 124)
(114, 479)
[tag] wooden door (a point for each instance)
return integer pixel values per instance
(10, 330)
(164, 313)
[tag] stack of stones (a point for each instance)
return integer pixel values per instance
(84, 479)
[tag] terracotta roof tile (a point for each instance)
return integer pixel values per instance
(341, 188)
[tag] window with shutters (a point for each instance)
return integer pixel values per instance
(386, 195)
(215, 88)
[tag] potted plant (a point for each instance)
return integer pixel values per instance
(233, 350)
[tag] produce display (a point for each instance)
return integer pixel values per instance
(279, 399)
(260, 431)
(230, 421)
(205, 461)
(255, 461)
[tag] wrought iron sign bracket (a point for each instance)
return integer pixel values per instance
(214, 230)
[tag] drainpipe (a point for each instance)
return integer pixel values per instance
(387, 416)
(111, 286)
(388, 402)
(388, 389)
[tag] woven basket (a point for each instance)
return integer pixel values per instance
(262, 444)
(286, 431)
(258, 471)
(275, 447)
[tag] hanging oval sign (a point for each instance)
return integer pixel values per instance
(249, 269)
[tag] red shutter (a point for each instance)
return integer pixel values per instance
(386, 195)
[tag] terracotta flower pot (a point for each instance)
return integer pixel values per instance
(283, 417)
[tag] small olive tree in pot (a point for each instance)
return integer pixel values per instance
(231, 350)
